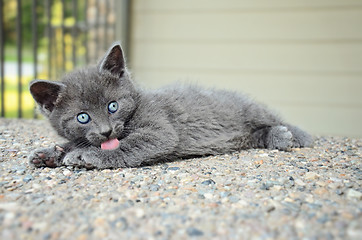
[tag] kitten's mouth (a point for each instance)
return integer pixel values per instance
(110, 144)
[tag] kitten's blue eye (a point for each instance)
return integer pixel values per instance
(112, 107)
(83, 118)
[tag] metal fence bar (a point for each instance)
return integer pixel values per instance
(97, 30)
(74, 31)
(105, 25)
(2, 58)
(19, 54)
(63, 35)
(86, 30)
(35, 38)
(49, 34)
(35, 42)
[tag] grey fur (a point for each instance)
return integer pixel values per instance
(151, 126)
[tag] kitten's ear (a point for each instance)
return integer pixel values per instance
(46, 94)
(113, 61)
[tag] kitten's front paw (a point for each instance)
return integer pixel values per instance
(47, 157)
(78, 158)
(279, 137)
(88, 158)
(93, 158)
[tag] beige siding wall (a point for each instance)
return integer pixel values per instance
(302, 58)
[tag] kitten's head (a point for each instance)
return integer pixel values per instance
(90, 105)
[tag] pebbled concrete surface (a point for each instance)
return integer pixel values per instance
(255, 194)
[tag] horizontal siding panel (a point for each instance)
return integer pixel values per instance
(327, 90)
(328, 57)
(207, 5)
(303, 25)
(302, 58)
(324, 106)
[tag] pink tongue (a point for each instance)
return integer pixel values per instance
(110, 144)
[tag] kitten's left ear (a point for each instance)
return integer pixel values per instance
(46, 94)
(113, 61)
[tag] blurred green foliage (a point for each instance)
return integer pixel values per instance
(60, 41)
(10, 18)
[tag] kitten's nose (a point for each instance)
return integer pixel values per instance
(107, 134)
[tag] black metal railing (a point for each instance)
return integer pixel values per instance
(51, 37)
(2, 59)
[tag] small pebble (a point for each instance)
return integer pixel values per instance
(311, 176)
(194, 232)
(234, 199)
(321, 183)
(173, 168)
(224, 194)
(67, 172)
(269, 208)
(28, 178)
(339, 192)
(264, 186)
(353, 194)
(154, 187)
(62, 181)
(300, 182)
(208, 182)
(209, 195)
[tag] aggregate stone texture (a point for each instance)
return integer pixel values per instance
(310, 193)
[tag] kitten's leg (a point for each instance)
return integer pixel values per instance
(47, 157)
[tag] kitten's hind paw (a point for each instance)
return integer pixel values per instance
(279, 137)
(300, 138)
(47, 157)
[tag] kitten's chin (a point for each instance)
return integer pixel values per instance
(110, 144)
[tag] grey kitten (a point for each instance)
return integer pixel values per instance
(109, 123)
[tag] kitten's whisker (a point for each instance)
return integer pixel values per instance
(82, 143)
